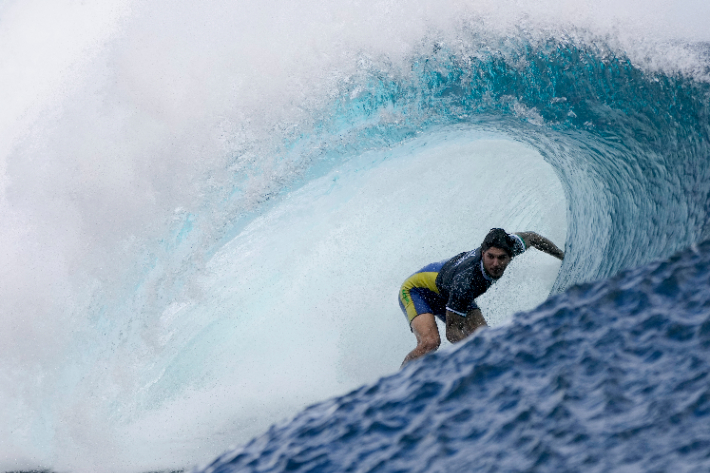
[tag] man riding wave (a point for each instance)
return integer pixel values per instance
(448, 289)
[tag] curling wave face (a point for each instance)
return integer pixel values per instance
(565, 382)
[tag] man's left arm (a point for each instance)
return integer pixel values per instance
(541, 243)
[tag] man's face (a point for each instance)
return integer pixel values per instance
(495, 261)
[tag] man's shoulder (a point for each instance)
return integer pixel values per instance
(467, 257)
(461, 265)
(466, 265)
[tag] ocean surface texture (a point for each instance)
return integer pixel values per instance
(207, 210)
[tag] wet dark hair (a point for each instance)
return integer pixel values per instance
(498, 238)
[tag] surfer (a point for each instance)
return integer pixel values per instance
(448, 289)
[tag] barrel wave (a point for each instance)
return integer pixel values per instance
(604, 377)
(205, 238)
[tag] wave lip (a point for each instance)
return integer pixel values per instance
(604, 377)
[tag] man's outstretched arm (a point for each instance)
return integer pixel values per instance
(541, 243)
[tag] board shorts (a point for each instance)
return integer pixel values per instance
(419, 294)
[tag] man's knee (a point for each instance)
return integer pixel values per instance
(455, 334)
(429, 343)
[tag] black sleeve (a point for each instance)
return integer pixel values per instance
(518, 244)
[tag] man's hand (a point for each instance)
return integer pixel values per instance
(541, 243)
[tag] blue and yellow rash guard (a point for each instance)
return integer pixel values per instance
(453, 285)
